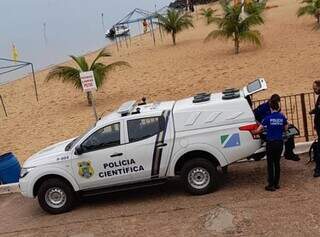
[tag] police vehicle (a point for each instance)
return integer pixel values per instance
(143, 144)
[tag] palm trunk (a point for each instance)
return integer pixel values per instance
(89, 98)
(236, 45)
(174, 38)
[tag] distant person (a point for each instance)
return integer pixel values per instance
(275, 124)
(263, 111)
(316, 112)
(145, 26)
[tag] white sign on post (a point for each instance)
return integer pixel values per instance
(89, 85)
(88, 82)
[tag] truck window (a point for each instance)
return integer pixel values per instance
(105, 137)
(139, 129)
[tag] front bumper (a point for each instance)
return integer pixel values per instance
(25, 188)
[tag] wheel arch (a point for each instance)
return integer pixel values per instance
(47, 175)
(181, 158)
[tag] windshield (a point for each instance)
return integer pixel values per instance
(76, 140)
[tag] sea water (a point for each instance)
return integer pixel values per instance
(45, 32)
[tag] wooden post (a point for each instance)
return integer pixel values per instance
(94, 106)
(304, 117)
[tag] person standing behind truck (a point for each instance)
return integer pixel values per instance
(145, 26)
(316, 112)
(263, 111)
(275, 125)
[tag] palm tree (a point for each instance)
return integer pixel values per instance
(208, 14)
(237, 26)
(174, 22)
(312, 8)
(72, 74)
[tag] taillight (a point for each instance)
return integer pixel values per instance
(250, 128)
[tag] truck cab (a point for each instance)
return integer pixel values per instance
(144, 144)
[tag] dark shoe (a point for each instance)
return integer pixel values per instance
(276, 186)
(292, 157)
(316, 174)
(270, 188)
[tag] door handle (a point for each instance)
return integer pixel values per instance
(116, 154)
(161, 145)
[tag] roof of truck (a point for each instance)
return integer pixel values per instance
(147, 110)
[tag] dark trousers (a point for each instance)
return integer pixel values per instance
(317, 154)
(289, 146)
(274, 150)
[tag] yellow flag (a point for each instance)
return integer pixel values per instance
(15, 54)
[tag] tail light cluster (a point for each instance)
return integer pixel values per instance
(251, 128)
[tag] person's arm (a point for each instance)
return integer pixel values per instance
(258, 130)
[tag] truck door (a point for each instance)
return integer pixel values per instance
(149, 145)
(102, 157)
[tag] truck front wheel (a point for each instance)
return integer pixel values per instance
(56, 196)
(199, 176)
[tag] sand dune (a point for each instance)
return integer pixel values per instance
(288, 60)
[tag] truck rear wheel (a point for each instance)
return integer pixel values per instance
(56, 196)
(199, 176)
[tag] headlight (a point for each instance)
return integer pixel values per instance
(25, 171)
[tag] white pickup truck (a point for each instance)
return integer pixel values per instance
(146, 144)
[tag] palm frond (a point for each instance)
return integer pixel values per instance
(81, 62)
(218, 34)
(175, 21)
(101, 70)
(306, 10)
(252, 36)
(65, 74)
(103, 53)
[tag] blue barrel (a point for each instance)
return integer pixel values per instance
(9, 169)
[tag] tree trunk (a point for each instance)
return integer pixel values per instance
(318, 19)
(174, 38)
(89, 98)
(236, 46)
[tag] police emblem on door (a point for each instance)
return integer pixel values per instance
(85, 169)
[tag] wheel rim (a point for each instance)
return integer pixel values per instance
(56, 197)
(199, 178)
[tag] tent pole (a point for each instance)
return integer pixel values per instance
(129, 35)
(117, 44)
(154, 39)
(34, 82)
(3, 106)
(160, 31)
(125, 37)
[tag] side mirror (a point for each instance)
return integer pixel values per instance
(78, 150)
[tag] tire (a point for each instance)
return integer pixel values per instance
(199, 185)
(60, 193)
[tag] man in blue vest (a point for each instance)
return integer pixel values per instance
(264, 110)
(275, 125)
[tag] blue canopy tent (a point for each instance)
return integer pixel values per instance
(11, 66)
(138, 15)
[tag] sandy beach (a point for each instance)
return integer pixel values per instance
(288, 60)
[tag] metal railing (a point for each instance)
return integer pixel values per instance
(296, 108)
